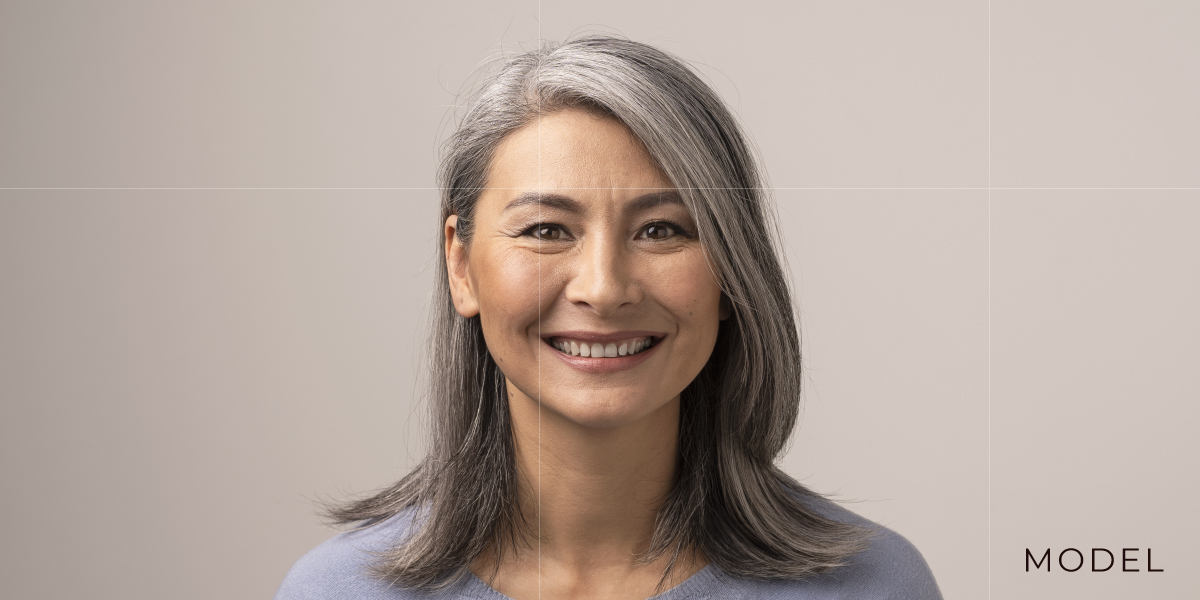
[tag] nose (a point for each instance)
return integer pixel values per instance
(602, 279)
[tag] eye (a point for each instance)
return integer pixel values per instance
(659, 231)
(547, 232)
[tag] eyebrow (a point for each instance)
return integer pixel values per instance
(572, 205)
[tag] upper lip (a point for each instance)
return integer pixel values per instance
(597, 337)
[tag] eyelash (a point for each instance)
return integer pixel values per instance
(675, 228)
(532, 229)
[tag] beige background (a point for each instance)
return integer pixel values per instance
(183, 371)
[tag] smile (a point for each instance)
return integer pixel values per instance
(613, 349)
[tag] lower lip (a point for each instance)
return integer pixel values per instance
(604, 365)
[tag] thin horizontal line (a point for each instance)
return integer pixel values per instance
(1094, 188)
(217, 188)
(345, 189)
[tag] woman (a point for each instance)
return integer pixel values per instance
(615, 365)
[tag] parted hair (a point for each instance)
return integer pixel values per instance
(729, 501)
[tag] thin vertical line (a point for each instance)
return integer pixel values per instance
(989, 286)
(989, 394)
(537, 78)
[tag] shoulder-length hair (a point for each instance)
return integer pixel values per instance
(729, 499)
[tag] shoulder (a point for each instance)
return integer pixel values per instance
(340, 568)
(891, 568)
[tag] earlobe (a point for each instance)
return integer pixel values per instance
(725, 309)
(457, 271)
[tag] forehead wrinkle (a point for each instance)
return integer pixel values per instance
(545, 200)
(551, 200)
(651, 200)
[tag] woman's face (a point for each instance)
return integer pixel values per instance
(585, 270)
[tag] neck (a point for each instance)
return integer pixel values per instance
(591, 497)
(593, 489)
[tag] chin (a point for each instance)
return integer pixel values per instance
(600, 412)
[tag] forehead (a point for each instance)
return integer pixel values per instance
(576, 152)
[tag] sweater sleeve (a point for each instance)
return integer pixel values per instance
(340, 568)
(891, 568)
(333, 570)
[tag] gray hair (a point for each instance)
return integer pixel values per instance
(729, 500)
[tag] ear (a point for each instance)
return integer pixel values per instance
(461, 290)
(725, 310)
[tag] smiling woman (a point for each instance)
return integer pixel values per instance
(616, 365)
(595, 253)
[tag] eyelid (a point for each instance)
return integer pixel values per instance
(676, 227)
(529, 231)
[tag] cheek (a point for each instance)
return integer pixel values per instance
(688, 289)
(507, 285)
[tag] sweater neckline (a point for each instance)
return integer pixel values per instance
(699, 580)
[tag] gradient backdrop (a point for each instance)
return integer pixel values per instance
(217, 237)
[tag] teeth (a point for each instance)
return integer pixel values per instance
(597, 350)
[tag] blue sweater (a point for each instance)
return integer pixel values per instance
(890, 568)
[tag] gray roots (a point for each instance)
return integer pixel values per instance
(729, 500)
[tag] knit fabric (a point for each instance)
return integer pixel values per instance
(891, 568)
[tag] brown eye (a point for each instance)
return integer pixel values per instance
(549, 233)
(658, 231)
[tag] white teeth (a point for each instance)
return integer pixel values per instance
(596, 350)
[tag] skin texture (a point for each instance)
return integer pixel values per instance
(596, 450)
